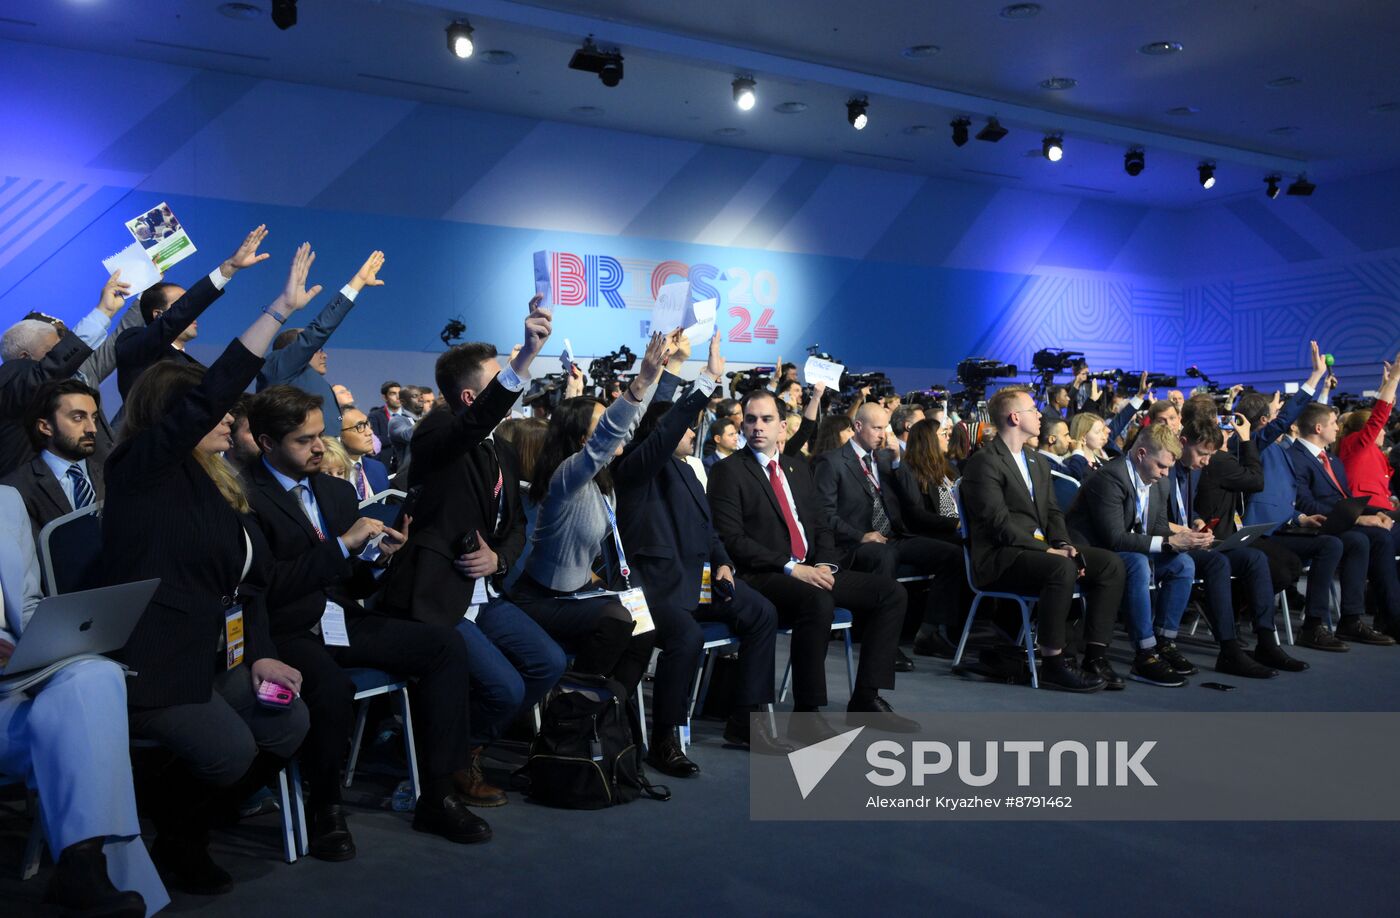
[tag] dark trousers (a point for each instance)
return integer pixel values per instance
(1054, 578)
(878, 603)
(1381, 569)
(1330, 556)
(750, 617)
(432, 655)
(925, 556)
(597, 631)
(513, 662)
(1254, 584)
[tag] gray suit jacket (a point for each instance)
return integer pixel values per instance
(19, 565)
(43, 495)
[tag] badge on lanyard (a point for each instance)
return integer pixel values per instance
(705, 584)
(333, 630)
(233, 635)
(636, 603)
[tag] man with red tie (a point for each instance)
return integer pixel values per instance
(1321, 482)
(767, 512)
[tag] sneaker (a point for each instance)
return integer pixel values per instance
(1169, 652)
(1354, 629)
(1150, 668)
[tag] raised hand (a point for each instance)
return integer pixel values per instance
(681, 349)
(657, 353)
(715, 365)
(1242, 427)
(294, 294)
(367, 276)
(539, 324)
(246, 255)
(114, 293)
(1276, 402)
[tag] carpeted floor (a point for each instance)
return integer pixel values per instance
(700, 854)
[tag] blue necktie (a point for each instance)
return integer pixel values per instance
(82, 491)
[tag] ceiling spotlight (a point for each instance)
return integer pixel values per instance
(960, 127)
(592, 59)
(284, 13)
(992, 132)
(459, 39)
(1271, 184)
(1207, 174)
(855, 113)
(1134, 161)
(743, 93)
(1302, 187)
(1053, 148)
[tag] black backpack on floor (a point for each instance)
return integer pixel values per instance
(586, 756)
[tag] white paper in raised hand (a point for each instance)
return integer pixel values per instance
(669, 311)
(543, 286)
(700, 319)
(137, 269)
(566, 357)
(818, 370)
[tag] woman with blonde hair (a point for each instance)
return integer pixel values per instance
(335, 461)
(1090, 433)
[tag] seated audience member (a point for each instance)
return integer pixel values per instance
(923, 488)
(244, 449)
(1058, 401)
(470, 491)
(854, 491)
(766, 509)
(1090, 435)
(724, 440)
(574, 490)
(170, 311)
(366, 473)
(298, 355)
(63, 476)
(834, 432)
(334, 461)
(1054, 445)
(1019, 543)
(379, 417)
(35, 351)
(67, 739)
(202, 648)
(662, 511)
(1359, 445)
(1321, 481)
(901, 420)
(323, 567)
(959, 444)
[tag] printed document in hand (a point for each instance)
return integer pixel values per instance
(162, 235)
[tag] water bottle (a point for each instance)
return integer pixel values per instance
(403, 800)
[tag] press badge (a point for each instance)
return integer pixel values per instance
(233, 635)
(1039, 536)
(333, 630)
(705, 584)
(636, 603)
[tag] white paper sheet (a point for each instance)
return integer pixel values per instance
(818, 370)
(700, 319)
(670, 308)
(543, 285)
(136, 267)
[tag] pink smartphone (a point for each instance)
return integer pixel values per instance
(274, 695)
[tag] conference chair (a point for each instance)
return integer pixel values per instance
(368, 684)
(1066, 489)
(841, 621)
(70, 550)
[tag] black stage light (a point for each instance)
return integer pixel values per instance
(1271, 186)
(1134, 161)
(1207, 173)
(459, 39)
(284, 13)
(960, 127)
(855, 113)
(591, 59)
(1302, 187)
(992, 132)
(1053, 147)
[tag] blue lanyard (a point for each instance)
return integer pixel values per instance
(617, 540)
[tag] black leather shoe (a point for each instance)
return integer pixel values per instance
(878, 715)
(1320, 637)
(934, 644)
(1357, 631)
(666, 755)
(1268, 653)
(1237, 664)
(1174, 658)
(451, 818)
(1099, 666)
(1060, 672)
(185, 864)
(328, 837)
(80, 885)
(739, 735)
(806, 728)
(902, 663)
(1149, 667)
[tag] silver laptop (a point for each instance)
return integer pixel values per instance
(89, 621)
(1245, 535)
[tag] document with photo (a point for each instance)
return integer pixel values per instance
(163, 237)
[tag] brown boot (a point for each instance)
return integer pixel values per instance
(474, 788)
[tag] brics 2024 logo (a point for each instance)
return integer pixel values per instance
(748, 298)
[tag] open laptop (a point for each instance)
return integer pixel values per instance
(1344, 515)
(89, 621)
(1244, 536)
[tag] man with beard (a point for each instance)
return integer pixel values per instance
(62, 426)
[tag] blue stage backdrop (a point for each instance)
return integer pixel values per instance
(882, 269)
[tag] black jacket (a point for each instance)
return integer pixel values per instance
(164, 517)
(747, 517)
(919, 511)
(138, 348)
(1105, 511)
(43, 493)
(1001, 517)
(457, 471)
(1223, 484)
(19, 380)
(844, 493)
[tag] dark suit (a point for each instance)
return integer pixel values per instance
(19, 380)
(1002, 520)
(1105, 511)
(848, 499)
(43, 493)
(379, 423)
(376, 477)
(306, 571)
(664, 518)
(138, 348)
(747, 517)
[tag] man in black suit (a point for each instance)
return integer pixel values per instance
(766, 510)
(853, 487)
(323, 566)
(35, 351)
(64, 475)
(170, 311)
(664, 517)
(1020, 544)
(379, 417)
(470, 489)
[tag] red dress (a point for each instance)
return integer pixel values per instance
(1368, 472)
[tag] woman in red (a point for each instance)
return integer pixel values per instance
(1368, 470)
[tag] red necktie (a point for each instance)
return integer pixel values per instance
(796, 544)
(1327, 466)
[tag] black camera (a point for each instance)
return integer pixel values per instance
(605, 369)
(742, 382)
(978, 370)
(1055, 360)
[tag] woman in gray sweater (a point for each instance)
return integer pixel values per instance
(574, 537)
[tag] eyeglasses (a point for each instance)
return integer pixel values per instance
(360, 427)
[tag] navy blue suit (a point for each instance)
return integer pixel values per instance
(664, 518)
(375, 474)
